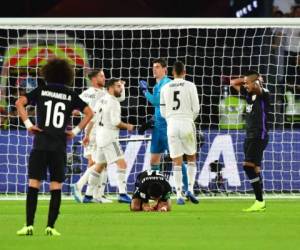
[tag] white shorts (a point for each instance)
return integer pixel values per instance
(89, 150)
(181, 138)
(109, 154)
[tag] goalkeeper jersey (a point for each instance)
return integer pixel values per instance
(154, 99)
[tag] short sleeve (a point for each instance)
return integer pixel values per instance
(167, 193)
(33, 95)
(265, 94)
(78, 103)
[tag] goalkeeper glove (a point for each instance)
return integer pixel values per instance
(145, 126)
(143, 86)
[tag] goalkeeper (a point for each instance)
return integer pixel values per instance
(159, 142)
(151, 185)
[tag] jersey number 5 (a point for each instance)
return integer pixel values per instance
(58, 116)
(176, 99)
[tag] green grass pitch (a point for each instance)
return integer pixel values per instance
(213, 224)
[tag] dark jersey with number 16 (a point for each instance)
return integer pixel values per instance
(55, 104)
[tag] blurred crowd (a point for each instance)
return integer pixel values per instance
(286, 8)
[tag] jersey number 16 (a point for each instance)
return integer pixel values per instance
(57, 115)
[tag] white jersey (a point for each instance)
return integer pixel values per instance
(107, 117)
(92, 96)
(179, 100)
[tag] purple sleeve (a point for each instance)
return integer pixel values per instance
(33, 96)
(78, 103)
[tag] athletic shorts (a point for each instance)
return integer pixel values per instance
(40, 161)
(159, 141)
(254, 150)
(181, 138)
(109, 154)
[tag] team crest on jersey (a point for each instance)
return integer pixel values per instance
(249, 108)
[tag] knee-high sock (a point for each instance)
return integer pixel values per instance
(121, 180)
(103, 182)
(255, 181)
(93, 182)
(155, 167)
(99, 191)
(54, 207)
(178, 180)
(191, 171)
(185, 181)
(84, 178)
(31, 203)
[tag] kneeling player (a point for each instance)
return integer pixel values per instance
(151, 185)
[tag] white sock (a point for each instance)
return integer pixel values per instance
(93, 182)
(191, 173)
(121, 181)
(103, 183)
(178, 180)
(83, 179)
(96, 192)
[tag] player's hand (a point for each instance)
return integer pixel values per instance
(163, 209)
(143, 86)
(70, 134)
(147, 208)
(86, 141)
(34, 129)
(130, 127)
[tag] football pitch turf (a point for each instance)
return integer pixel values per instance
(213, 224)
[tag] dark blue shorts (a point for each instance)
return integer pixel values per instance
(159, 142)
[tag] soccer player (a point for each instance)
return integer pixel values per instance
(257, 97)
(55, 103)
(151, 185)
(179, 105)
(159, 141)
(91, 96)
(108, 123)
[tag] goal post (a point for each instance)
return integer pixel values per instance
(213, 50)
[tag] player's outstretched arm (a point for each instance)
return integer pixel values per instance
(237, 83)
(20, 105)
(127, 126)
(151, 98)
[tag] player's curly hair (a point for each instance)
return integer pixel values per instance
(155, 189)
(58, 71)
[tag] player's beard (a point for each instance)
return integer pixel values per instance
(100, 85)
(117, 94)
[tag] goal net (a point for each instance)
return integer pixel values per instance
(213, 51)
